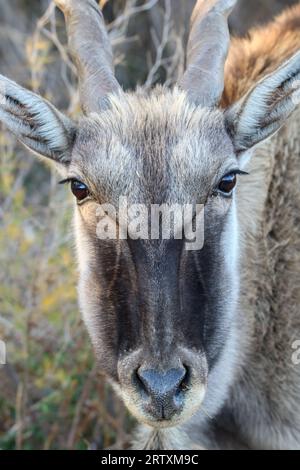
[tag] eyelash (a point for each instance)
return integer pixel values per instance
(236, 172)
(67, 180)
(216, 191)
(222, 192)
(79, 189)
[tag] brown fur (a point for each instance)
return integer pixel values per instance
(263, 410)
(269, 207)
(260, 53)
(268, 388)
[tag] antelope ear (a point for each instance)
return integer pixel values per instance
(266, 107)
(35, 122)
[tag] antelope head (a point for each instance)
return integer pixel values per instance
(161, 317)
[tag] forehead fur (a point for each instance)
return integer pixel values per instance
(157, 147)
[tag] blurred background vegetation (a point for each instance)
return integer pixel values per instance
(51, 394)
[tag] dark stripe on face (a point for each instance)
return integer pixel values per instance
(157, 295)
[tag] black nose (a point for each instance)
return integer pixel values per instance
(163, 391)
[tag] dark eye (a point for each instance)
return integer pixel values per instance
(227, 184)
(79, 190)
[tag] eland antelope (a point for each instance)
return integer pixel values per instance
(198, 343)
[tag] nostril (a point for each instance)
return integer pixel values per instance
(185, 383)
(139, 383)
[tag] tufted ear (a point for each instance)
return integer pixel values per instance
(35, 122)
(266, 107)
